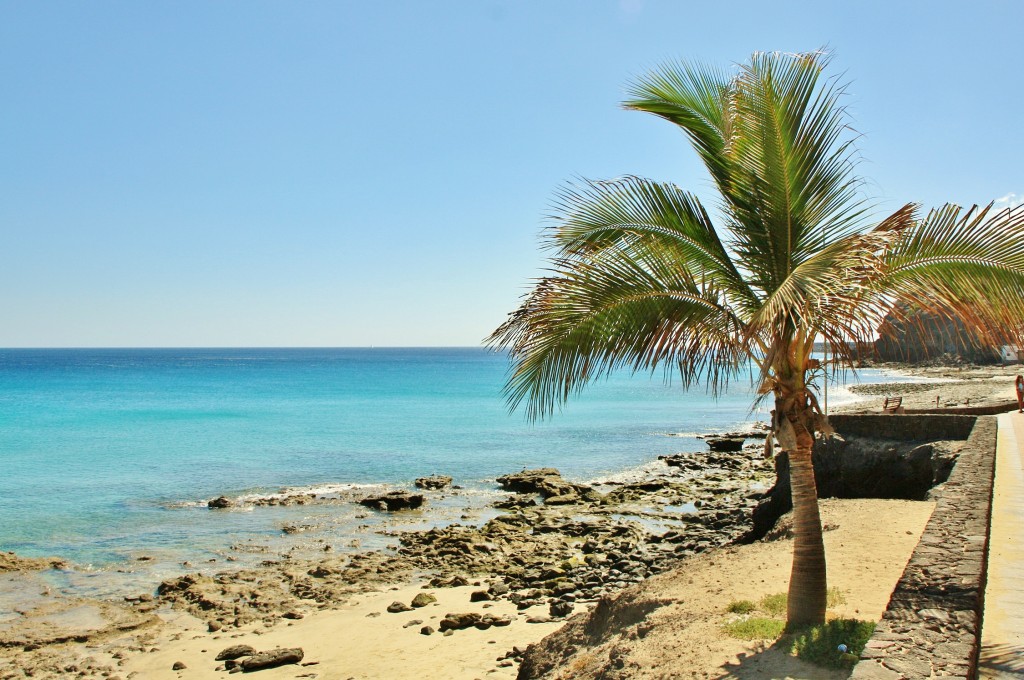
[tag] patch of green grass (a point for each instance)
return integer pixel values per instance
(741, 607)
(774, 605)
(756, 629)
(820, 644)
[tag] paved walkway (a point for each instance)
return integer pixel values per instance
(1002, 634)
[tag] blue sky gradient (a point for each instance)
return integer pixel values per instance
(352, 174)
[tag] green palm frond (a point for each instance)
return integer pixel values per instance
(695, 98)
(793, 185)
(632, 212)
(961, 264)
(617, 308)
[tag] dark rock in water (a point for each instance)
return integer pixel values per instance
(221, 502)
(433, 483)
(272, 659)
(394, 500)
(723, 444)
(234, 652)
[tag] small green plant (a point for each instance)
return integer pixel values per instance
(820, 645)
(774, 605)
(756, 629)
(741, 607)
(835, 597)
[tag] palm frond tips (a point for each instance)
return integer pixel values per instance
(619, 309)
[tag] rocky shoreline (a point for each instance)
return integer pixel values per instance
(554, 539)
(553, 548)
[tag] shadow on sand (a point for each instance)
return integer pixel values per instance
(1001, 661)
(776, 662)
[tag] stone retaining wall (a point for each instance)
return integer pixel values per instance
(924, 427)
(932, 626)
(990, 410)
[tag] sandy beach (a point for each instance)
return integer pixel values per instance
(492, 584)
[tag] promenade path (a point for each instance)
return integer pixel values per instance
(1002, 634)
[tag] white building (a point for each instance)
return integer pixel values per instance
(1011, 354)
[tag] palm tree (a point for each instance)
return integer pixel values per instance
(641, 277)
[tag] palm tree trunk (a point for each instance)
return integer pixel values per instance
(807, 582)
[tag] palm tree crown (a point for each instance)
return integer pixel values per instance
(641, 277)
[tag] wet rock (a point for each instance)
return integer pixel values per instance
(515, 503)
(725, 444)
(234, 652)
(393, 501)
(220, 502)
(433, 483)
(527, 481)
(272, 659)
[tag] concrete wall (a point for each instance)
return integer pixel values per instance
(932, 626)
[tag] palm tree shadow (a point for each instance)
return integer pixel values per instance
(1000, 661)
(776, 662)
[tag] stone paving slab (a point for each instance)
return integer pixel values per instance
(1002, 635)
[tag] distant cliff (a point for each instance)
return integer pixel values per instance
(920, 336)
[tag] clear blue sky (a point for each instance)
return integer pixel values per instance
(377, 173)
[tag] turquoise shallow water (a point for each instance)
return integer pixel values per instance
(111, 453)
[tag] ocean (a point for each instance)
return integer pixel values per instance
(109, 455)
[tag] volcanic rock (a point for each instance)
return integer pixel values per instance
(394, 500)
(434, 482)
